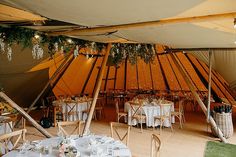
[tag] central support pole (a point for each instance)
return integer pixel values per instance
(96, 92)
(201, 104)
(209, 86)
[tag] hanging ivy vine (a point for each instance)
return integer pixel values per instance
(35, 40)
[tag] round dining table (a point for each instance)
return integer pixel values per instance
(150, 110)
(76, 106)
(73, 146)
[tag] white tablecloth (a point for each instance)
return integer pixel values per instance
(5, 128)
(151, 110)
(74, 106)
(88, 146)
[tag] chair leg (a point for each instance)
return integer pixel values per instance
(171, 124)
(160, 126)
(180, 121)
(118, 118)
(141, 126)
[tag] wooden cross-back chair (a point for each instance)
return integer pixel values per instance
(99, 108)
(179, 113)
(75, 131)
(155, 146)
(8, 141)
(163, 116)
(119, 113)
(137, 113)
(117, 127)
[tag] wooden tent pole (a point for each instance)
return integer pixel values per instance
(137, 75)
(125, 74)
(201, 104)
(89, 74)
(106, 79)
(90, 115)
(25, 115)
(209, 86)
(150, 69)
(78, 31)
(116, 68)
(49, 82)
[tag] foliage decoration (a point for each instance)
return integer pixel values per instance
(36, 40)
(132, 52)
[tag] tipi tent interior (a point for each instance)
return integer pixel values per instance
(80, 60)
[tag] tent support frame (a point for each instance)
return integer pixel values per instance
(97, 88)
(89, 74)
(25, 115)
(201, 104)
(209, 86)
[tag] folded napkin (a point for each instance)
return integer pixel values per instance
(121, 152)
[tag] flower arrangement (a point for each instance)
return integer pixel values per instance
(6, 108)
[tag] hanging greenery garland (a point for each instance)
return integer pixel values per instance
(36, 40)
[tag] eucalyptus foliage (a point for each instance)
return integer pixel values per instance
(118, 53)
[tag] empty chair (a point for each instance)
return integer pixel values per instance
(75, 130)
(155, 146)
(121, 130)
(119, 113)
(9, 142)
(99, 108)
(164, 115)
(179, 113)
(137, 113)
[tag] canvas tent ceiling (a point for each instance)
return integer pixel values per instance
(217, 33)
(213, 33)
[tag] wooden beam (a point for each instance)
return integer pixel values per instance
(169, 21)
(25, 115)
(150, 69)
(209, 86)
(115, 77)
(65, 67)
(174, 73)
(163, 74)
(125, 73)
(89, 75)
(137, 74)
(49, 82)
(201, 104)
(196, 86)
(107, 75)
(97, 89)
(99, 69)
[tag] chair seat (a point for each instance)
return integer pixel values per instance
(175, 113)
(139, 117)
(99, 108)
(123, 113)
(161, 117)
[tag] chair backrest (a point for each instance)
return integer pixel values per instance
(117, 107)
(75, 130)
(50, 99)
(136, 108)
(181, 107)
(165, 109)
(8, 143)
(155, 146)
(121, 130)
(100, 102)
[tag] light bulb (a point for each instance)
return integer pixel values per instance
(36, 36)
(69, 41)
